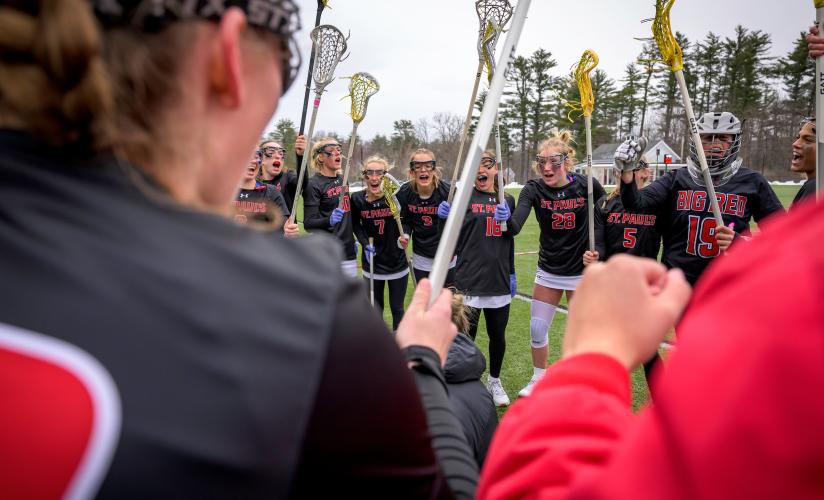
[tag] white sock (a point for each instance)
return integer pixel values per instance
(538, 372)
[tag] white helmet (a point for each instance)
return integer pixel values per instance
(722, 168)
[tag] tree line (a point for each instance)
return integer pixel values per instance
(735, 73)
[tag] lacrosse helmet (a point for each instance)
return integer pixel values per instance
(722, 164)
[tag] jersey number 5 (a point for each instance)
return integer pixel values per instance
(565, 220)
(629, 237)
(701, 239)
(493, 228)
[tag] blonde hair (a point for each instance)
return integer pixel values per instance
(459, 314)
(561, 140)
(53, 81)
(317, 163)
(437, 173)
(376, 159)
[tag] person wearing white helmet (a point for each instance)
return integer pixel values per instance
(690, 236)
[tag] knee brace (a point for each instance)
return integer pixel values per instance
(541, 315)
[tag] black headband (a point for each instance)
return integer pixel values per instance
(280, 17)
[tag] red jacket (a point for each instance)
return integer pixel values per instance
(740, 412)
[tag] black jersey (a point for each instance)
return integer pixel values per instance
(485, 253)
(374, 219)
(687, 225)
(230, 365)
(286, 183)
(420, 217)
(628, 232)
(563, 218)
(807, 189)
(319, 201)
(259, 204)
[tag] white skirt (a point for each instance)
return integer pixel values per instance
(493, 302)
(386, 277)
(425, 263)
(555, 281)
(350, 268)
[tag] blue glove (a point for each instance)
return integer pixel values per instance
(502, 212)
(337, 216)
(513, 285)
(370, 252)
(443, 209)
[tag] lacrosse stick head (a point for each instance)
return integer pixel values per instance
(329, 45)
(818, 3)
(362, 86)
(497, 12)
(390, 186)
(588, 62)
(487, 47)
(662, 33)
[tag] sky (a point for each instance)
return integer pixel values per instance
(422, 52)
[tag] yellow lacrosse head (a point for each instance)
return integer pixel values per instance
(325, 3)
(489, 34)
(362, 86)
(388, 188)
(588, 62)
(662, 32)
(818, 3)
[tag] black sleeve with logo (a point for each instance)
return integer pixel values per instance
(421, 216)
(634, 233)
(484, 251)
(259, 204)
(319, 201)
(688, 226)
(286, 184)
(374, 219)
(562, 217)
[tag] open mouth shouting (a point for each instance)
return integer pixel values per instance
(483, 181)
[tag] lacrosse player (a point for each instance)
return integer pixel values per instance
(803, 160)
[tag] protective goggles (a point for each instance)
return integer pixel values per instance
(417, 165)
(330, 149)
(487, 162)
(271, 150)
(555, 161)
(373, 172)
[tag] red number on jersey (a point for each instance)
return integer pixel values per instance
(427, 220)
(380, 223)
(493, 228)
(701, 238)
(565, 220)
(345, 204)
(629, 237)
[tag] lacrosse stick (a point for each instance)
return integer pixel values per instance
(389, 186)
(328, 46)
(585, 66)
(489, 60)
(372, 273)
(321, 5)
(496, 12)
(362, 86)
(819, 106)
(449, 238)
(672, 55)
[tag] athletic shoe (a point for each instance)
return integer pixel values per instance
(499, 396)
(526, 391)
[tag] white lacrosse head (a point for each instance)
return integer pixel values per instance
(329, 45)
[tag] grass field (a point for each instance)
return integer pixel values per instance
(517, 367)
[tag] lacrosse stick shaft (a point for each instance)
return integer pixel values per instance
(306, 156)
(819, 109)
(348, 159)
(696, 139)
(590, 200)
(309, 74)
(449, 238)
(372, 273)
(405, 251)
(465, 133)
(501, 198)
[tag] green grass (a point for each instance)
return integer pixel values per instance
(517, 367)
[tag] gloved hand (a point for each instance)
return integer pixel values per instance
(370, 252)
(443, 209)
(513, 284)
(502, 212)
(629, 152)
(337, 216)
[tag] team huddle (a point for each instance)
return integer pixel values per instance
(636, 218)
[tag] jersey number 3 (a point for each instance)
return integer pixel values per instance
(701, 239)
